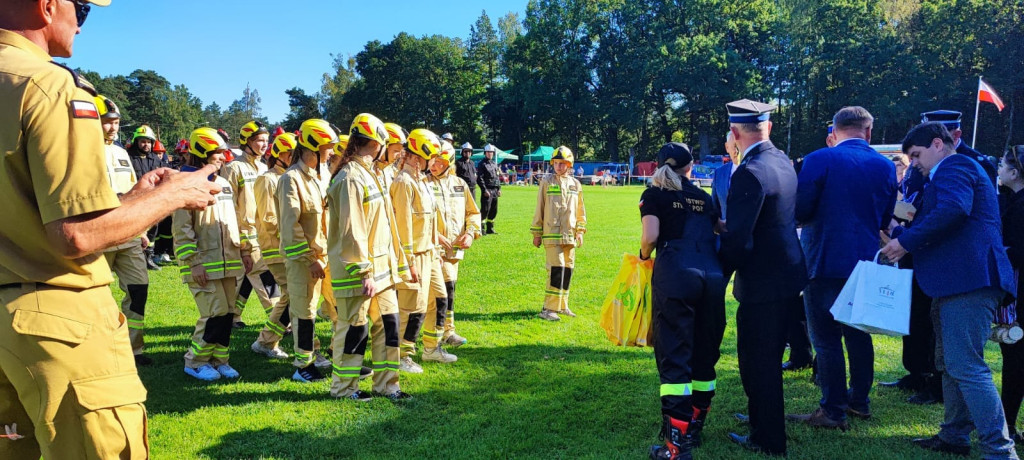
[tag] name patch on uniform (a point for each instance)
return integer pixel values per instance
(84, 109)
(459, 188)
(226, 190)
(123, 162)
(572, 188)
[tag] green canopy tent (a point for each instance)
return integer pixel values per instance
(542, 153)
(499, 155)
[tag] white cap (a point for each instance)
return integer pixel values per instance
(467, 145)
(488, 148)
(447, 136)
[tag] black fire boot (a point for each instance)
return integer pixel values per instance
(678, 442)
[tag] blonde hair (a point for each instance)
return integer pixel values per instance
(901, 159)
(665, 177)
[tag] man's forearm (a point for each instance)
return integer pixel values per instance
(94, 232)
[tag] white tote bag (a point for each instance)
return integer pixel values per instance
(842, 308)
(881, 300)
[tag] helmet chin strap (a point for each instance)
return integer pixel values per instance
(383, 150)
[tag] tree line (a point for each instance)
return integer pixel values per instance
(610, 78)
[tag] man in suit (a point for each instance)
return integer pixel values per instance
(959, 226)
(845, 195)
(723, 174)
(951, 120)
(760, 244)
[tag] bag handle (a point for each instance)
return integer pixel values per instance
(879, 253)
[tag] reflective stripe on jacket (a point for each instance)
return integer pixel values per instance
(560, 214)
(209, 238)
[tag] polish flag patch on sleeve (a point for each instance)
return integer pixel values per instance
(84, 109)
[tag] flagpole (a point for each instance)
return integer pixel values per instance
(977, 104)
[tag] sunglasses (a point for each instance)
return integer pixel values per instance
(81, 11)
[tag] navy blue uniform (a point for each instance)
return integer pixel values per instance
(990, 169)
(761, 245)
(688, 296)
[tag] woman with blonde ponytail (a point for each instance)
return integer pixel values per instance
(687, 296)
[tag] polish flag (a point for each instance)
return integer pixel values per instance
(987, 94)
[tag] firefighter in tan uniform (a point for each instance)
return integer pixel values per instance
(363, 251)
(417, 223)
(461, 219)
(127, 260)
(300, 198)
(68, 383)
(329, 307)
(268, 235)
(242, 174)
(559, 223)
(213, 259)
(385, 162)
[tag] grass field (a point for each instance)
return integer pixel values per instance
(522, 388)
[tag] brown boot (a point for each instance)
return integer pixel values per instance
(819, 419)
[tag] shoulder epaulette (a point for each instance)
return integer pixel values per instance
(80, 81)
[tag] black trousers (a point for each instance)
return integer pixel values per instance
(919, 346)
(760, 343)
(1013, 382)
(800, 353)
(488, 204)
(161, 237)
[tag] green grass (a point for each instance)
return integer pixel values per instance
(522, 388)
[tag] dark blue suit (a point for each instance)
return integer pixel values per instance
(961, 263)
(720, 187)
(846, 194)
(761, 245)
(958, 226)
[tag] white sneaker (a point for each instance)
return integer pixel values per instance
(407, 365)
(439, 355)
(568, 312)
(204, 372)
(165, 259)
(455, 340)
(275, 353)
(549, 315)
(322, 362)
(226, 371)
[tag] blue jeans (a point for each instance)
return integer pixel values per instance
(827, 336)
(963, 323)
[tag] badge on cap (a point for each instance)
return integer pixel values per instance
(949, 118)
(84, 109)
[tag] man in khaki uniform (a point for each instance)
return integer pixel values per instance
(461, 225)
(559, 223)
(127, 260)
(241, 174)
(417, 223)
(362, 249)
(268, 234)
(67, 377)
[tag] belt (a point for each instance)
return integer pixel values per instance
(10, 285)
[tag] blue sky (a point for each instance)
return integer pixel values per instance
(216, 47)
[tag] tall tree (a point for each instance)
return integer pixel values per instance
(302, 107)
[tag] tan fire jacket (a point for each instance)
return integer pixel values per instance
(362, 239)
(300, 215)
(122, 179)
(415, 211)
(386, 174)
(267, 233)
(560, 214)
(459, 213)
(241, 174)
(209, 238)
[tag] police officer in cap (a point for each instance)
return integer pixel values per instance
(688, 295)
(951, 120)
(761, 245)
(67, 377)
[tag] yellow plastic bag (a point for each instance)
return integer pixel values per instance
(626, 312)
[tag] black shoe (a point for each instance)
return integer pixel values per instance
(746, 443)
(365, 373)
(398, 395)
(791, 366)
(308, 374)
(663, 452)
(923, 398)
(360, 396)
(937, 445)
(143, 360)
(1017, 439)
(909, 382)
(238, 324)
(150, 265)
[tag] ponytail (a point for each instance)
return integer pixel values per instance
(667, 178)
